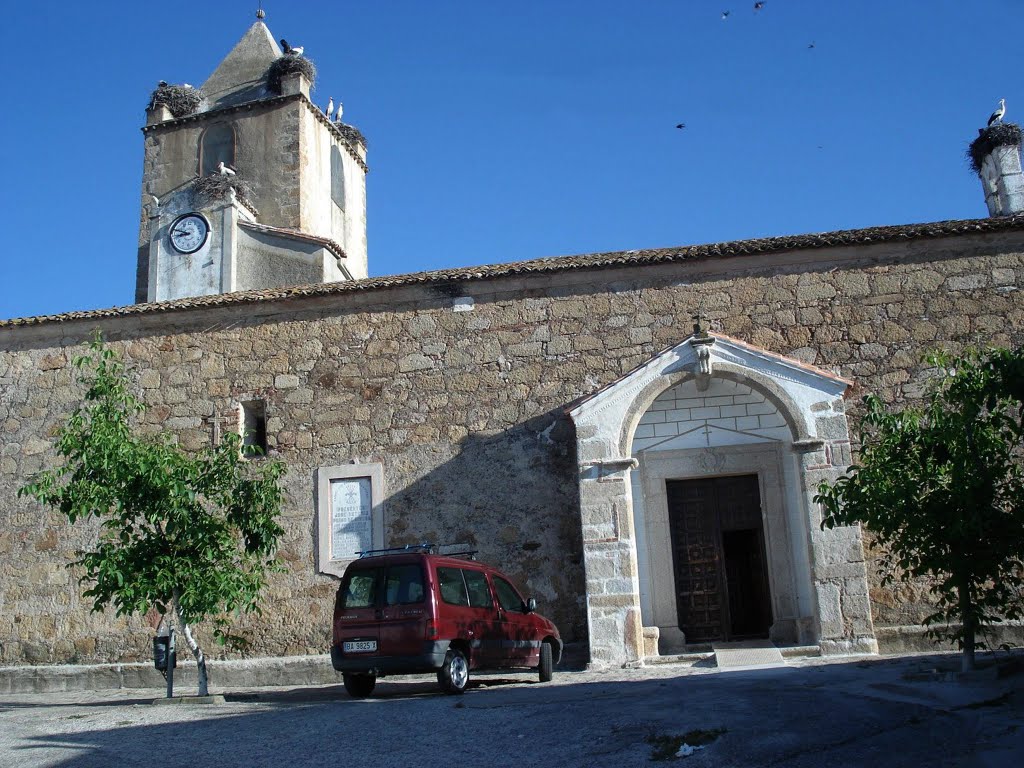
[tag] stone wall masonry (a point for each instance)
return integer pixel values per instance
(465, 410)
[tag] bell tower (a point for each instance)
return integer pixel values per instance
(246, 183)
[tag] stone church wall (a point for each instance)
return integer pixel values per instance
(464, 409)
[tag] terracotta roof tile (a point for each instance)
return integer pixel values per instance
(871, 235)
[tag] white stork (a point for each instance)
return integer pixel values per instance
(337, 117)
(997, 116)
(223, 170)
(330, 107)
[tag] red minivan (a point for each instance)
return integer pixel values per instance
(410, 610)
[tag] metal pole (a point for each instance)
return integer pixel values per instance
(171, 660)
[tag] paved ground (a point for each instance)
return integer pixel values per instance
(899, 711)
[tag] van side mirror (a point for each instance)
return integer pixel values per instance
(531, 605)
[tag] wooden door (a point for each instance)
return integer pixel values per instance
(721, 574)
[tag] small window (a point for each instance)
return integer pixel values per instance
(337, 177)
(479, 594)
(254, 429)
(453, 588)
(507, 595)
(216, 146)
(359, 589)
(404, 585)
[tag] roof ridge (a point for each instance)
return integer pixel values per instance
(551, 265)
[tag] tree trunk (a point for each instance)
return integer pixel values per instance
(204, 689)
(969, 625)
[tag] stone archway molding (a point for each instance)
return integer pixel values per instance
(811, 400)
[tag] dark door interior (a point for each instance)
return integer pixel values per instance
(718, 549)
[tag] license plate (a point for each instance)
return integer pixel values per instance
(359, 646)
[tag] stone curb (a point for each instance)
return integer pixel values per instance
(271, 671)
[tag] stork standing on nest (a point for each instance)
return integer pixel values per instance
(223, 170)
(289, 51)
(997, 116)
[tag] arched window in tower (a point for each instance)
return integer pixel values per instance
(216, 146)
(337, 177)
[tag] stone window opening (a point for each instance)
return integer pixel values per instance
(253, 418)
(337, 177)
(217, 145)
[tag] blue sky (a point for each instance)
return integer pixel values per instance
(500, 132)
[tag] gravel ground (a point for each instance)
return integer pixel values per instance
(877, 711)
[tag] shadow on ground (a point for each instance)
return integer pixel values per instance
(877, 712)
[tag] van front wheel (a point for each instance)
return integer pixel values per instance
(546, 666)
(454, 672)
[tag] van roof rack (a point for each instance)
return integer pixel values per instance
(448, 550)
(428, 548)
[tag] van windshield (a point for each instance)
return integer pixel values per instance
(359, 590)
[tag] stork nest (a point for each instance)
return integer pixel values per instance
(181, 100)
(287, 65)
(998, 135)
(351, 134)
(218, 186)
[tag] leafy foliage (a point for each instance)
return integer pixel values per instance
(200, 529)
(942, 489)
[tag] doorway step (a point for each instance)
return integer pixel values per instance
(706, 654)
(747, 654)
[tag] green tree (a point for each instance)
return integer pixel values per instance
(941, 487)
(191, 533)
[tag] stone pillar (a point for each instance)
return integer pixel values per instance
(610, 563)
(998, 148)
(838, 568)
(293, 83)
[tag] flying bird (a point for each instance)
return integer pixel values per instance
(997, 116)
(681, 125)
(725, 15)
(223, 170)
(289, 51)
(810, 45)
(758, 6)
(330, 107)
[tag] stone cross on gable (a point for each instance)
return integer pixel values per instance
(699, 328)
(217, 422)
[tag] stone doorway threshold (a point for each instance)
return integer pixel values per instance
(747, 654)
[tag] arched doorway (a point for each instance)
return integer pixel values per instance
(816, 590)
(717, 530)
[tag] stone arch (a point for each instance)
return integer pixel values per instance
(775, 394)
(216, 145)
(832, 610)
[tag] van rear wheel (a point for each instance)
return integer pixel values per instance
(546, 668)
(453, 675)
(359, 686)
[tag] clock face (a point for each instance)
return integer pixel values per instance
(189, 233)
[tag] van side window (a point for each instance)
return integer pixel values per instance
(479, 594)
(507, 595)
(360, 589)
(453, 588)
(404, 585)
